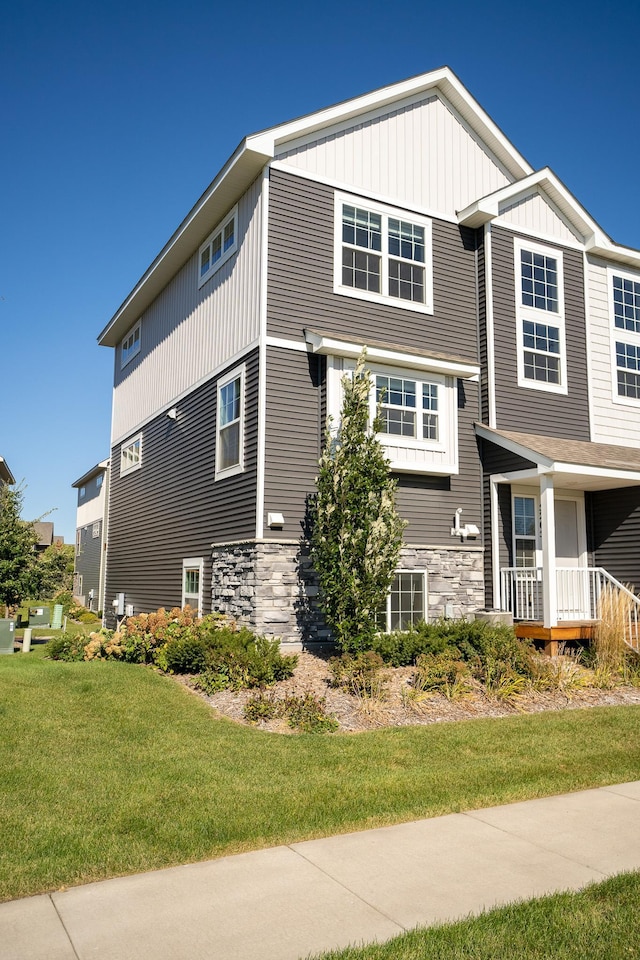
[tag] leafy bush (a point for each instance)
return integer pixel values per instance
(67, 647)
(262, 707)
(210, 682)
(442, 673)
(403, 647)
(309, 714)
(87, 616)
(184, 654)
(359, 674)
(247, 660)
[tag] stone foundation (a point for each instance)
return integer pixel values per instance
(272, 587)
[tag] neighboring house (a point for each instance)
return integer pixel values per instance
(6, 477)
(502, 326)
(43, 530)
(91, 536)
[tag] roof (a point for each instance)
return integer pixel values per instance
(99, 468)
(578, 463)
(5, 473)
(44, 532)
(256, 150)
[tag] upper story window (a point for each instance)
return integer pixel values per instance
(218, 247)
(99, 480)
(540, 317)
(83, 491)
(382, 254)
(130, 346)
(131, 455)
(624, 293)
(408, 408)
(230, 424)
(95, 529)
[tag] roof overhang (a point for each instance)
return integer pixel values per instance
(5, 473)
(94, 472)
(573, 464)
(328, 344)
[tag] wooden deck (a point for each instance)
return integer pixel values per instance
(550, 637)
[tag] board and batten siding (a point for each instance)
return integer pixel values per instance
(526, 409)
(172, 507)
(613, 422)
(300, 285)
(535, 213)
(420, 153)
(294, 430)
(188, 332)
(614, 528)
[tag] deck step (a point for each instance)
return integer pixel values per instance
(550, 637)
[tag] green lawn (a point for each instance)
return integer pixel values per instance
(599, 922)
(108, 769)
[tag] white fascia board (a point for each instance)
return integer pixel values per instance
(330, 346)
(99, 468)
(443, 79)
(604, 473)
(602, 246)
(236, 176)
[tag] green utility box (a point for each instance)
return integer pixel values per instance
(6, 636)
(56, 623)
(39, 616)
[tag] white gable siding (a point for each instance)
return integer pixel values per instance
(187, 333)
(613, 422)
(92, 510)
(421, 154)
(536, 214)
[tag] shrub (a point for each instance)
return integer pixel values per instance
(442, 673)
(261, 707)
(614, 607)
(67, 647)
(247, 660)
(309, 714)
(359, 674)
(210, 682)
(403, 647)
(185, 654)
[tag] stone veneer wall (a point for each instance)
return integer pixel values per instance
(272, 586)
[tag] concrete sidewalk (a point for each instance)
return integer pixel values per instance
(288, 902)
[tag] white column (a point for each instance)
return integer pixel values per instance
(495, 544)
(549, 580)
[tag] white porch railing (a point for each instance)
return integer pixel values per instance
(580, 596)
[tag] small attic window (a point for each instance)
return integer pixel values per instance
(218, 247)
(130, 346)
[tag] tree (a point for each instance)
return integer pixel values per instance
(356, 533)
(54, 570)
(17, 542)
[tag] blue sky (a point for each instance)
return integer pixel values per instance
(116, 117)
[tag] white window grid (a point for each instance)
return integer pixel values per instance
(95, 530)
(540, 329)
(406, 603)
(193, 583)
(130, 345)
(218, 247)
(230, 423)
(383, 254)
(525, 530)
(624, 307)
(131, 455)
(626, 303)
(408, 407)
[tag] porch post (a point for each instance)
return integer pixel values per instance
(549, 579)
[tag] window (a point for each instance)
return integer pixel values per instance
(192, 583)
(230, 426)
(131, 455)
(218, 247)
(408, 408)
(540, 317)
(95, 530)
(130, 345)
(83, 491)
(99, 480)
(524, 531)
(406, 602)
(625, 311)
(383, 254)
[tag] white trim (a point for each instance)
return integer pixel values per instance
(191, 389)
(328, 345)
(386, 213)
(619, 334)
(262, 358)
(137, 439)
(536, 315)
(490, 328)
(494, 482)
(549, 578)
(238, 373)
(535, 235)
(588, 332)
(218, 231)
(194, 563)
(298, 345)
(131, 335)
(421, 571)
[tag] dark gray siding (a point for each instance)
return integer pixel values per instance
(172, 507)
(88, 554)
(482, 328)
(530, 410)
(295, 425)
(496, 460)
(614, 527)
(91, 490)
(300, 291)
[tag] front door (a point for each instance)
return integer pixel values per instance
(572, 576)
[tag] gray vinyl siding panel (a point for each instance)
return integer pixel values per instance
(613, 518)
(300, 285)
(172, 507)
(88, 558)
(294, 430)
(528, 409)
(482, 327)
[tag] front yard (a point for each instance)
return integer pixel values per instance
(111, 768)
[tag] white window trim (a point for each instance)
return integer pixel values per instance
(133, 353)
(531, 494)
(237, 372)
(425, 609)
(535, 315)
(385, 212)
(193, 563)
(447, 442)
(226, 254)
(95, 529)
(123, 446)
(617, 334)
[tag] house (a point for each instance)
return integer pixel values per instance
(6, 477)
(46, 537)
(91, 536)
(503, 332)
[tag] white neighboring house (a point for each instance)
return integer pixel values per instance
(91, 536)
